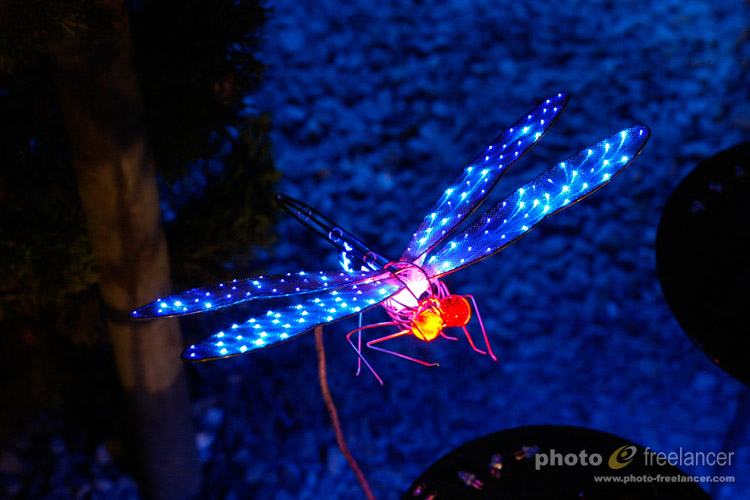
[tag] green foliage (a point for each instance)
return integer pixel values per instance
(197, 65)
(44, 240)
(26, 27)
(49, 306)
(197, 61)
(210, 240)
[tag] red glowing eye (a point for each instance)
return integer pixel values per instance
(456, 310)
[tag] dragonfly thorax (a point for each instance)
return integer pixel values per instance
(416, 283)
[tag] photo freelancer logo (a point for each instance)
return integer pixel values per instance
(622, 457)
(625, 455)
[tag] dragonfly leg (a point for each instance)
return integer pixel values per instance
(484, 332)
(403, 356)
(448, 336)
(358, 348)
(471, 342)
(359, 345)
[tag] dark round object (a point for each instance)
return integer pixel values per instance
(703, 258)
(510, 465)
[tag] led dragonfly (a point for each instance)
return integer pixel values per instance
(410, 289)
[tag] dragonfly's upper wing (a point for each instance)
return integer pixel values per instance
(468, 191)
(278, 325)
(226, 294)
(555, 189)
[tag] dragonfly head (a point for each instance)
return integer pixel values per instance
(456, 310)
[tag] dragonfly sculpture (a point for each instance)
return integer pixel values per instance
(410, 289)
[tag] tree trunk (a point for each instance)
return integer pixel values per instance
(101, 103)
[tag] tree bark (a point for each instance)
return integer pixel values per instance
(100, 99)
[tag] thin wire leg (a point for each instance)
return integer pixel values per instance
(481, 324)
(471, 342)
(403, 356)
(359, 345)
(360, 356)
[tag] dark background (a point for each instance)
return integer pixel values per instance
(376, 108)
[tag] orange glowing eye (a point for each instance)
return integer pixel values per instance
(427, 323)
(456, 310)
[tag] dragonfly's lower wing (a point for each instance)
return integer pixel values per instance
(468, 191)
(278, 325)
(241, 290)
(555, 189)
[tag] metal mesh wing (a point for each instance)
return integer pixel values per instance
(278, 325)
(555, 189)
(468, 191)
(213, 297)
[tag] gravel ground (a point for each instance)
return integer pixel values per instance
(377, 106)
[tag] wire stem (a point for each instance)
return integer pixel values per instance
(334, 414)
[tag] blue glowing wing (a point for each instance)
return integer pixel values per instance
(213, 297)
(555, 189)
(278, 325)
(468, 191)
